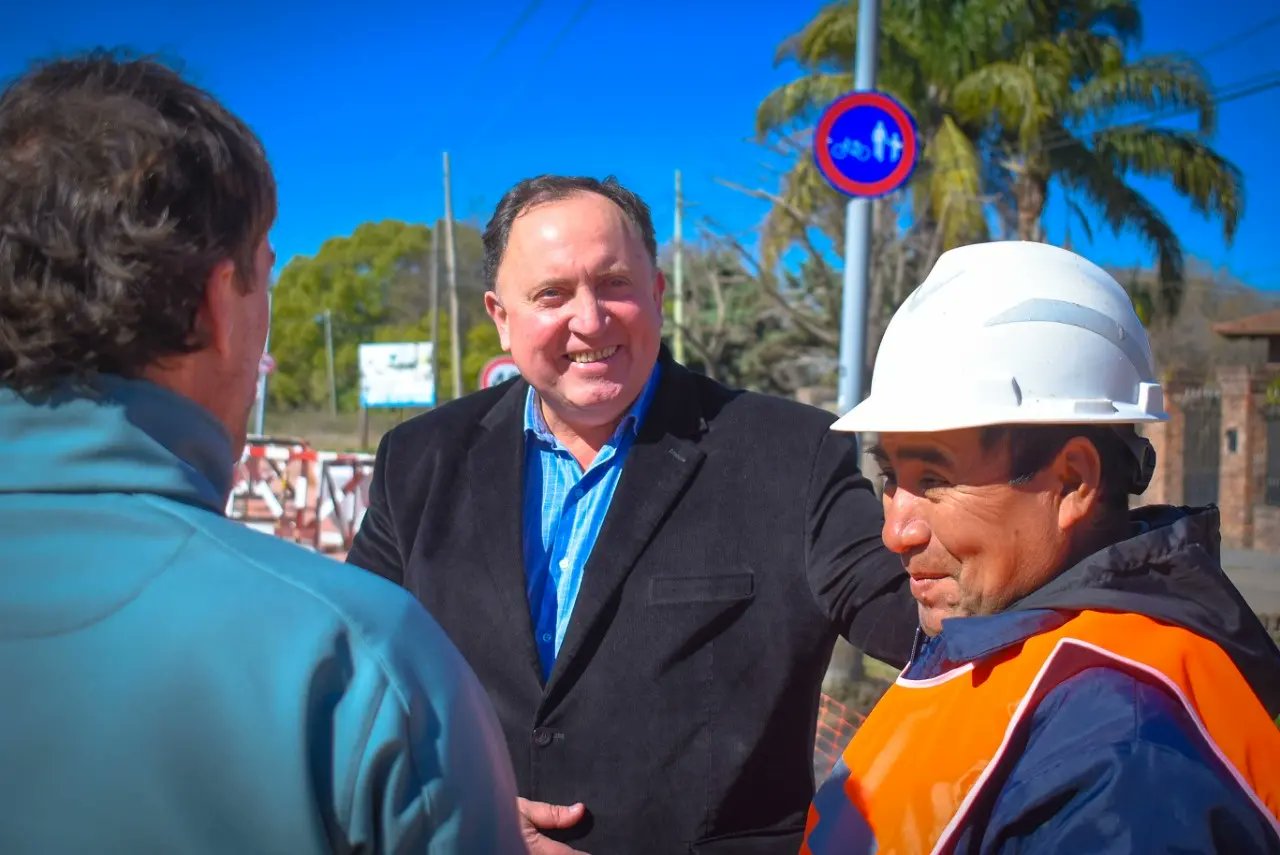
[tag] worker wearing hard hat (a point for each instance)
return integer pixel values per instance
(1085, 678)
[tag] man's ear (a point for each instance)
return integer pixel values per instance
(660, 288)
(1078, 473)
(498, 313)
(217, 315)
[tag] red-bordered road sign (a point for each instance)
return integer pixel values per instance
(865, 144)
(498, 370)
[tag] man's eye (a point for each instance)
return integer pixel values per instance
(931, 482)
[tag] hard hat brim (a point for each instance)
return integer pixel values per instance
(877, 416)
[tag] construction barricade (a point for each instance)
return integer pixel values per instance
(342, 496)
(288, 489)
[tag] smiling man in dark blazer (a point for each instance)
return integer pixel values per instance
(646, 570)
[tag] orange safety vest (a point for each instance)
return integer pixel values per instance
(931, 748)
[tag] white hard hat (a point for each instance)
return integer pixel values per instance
(1011, 333)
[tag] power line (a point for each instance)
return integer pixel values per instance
(512, 31)
(1234, 92)
(1246, 33)
(1240, 89)
(527, 74)
(578, 15)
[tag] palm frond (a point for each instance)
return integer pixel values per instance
(1210, 182)
(806, 193)
(1121, 17)
(1003, 90)
(1074, 210)
(1084, 54)
(954, 185)
(799, 101)
(1156, 83)
(829, 39)
(1092, 175)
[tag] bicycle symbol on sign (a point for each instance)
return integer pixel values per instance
(880, 141)
(849, 147)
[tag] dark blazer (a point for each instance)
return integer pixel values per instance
(681, 709)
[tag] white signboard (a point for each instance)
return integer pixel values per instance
(396, 375)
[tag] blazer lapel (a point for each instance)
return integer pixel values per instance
(661, 463)
(495, 466)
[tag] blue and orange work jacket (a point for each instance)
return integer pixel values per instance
(934, 752)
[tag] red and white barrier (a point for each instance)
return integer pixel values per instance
(286, 488)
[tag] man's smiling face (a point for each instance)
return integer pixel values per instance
(971, 541)
(579, 304)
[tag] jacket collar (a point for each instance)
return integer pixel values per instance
(114, 435)
(675, 408)
(1114, 578)
(536, 427)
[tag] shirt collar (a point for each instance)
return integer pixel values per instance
(536, 425)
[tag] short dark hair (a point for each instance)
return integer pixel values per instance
(1033, 447)
(552, 188)
(121, 187)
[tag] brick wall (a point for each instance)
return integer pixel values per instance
(1168, 439)
(1239, 489)
(1266, 528)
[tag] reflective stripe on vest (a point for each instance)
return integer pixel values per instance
(931, 748)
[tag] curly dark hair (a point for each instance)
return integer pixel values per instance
(553, 188)
(121, 187)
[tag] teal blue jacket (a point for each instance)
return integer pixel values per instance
(174, 682)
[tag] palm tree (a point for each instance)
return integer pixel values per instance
(1010, 97)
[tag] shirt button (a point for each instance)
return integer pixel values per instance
(564, 563)
(546, 636)
(541, 737)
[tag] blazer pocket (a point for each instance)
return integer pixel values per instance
(720, 588)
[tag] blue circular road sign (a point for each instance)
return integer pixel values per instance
(865, 144)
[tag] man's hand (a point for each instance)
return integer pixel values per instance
(535, 816)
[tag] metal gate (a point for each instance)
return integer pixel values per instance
(1201, 445)
(1271, 492)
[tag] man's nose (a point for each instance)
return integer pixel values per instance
(588, 316)
(904, 529)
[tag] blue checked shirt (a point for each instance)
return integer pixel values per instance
(564, 508)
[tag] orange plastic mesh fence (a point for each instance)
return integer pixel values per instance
(836, 726)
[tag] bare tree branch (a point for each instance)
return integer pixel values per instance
(811, 326)
(791, 210)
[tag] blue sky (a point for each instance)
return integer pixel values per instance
(356, 102)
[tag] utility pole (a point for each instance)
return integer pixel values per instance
(857, 237)
(260, 415)
(328, 352)
(451, 262)
(435, 311)
(678, 274)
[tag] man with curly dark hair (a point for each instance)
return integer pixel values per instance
(172, 680)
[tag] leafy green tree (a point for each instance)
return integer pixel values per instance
(482, 345)
(375, 286)
(724, 311)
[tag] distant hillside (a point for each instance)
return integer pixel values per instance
(1188, 342)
